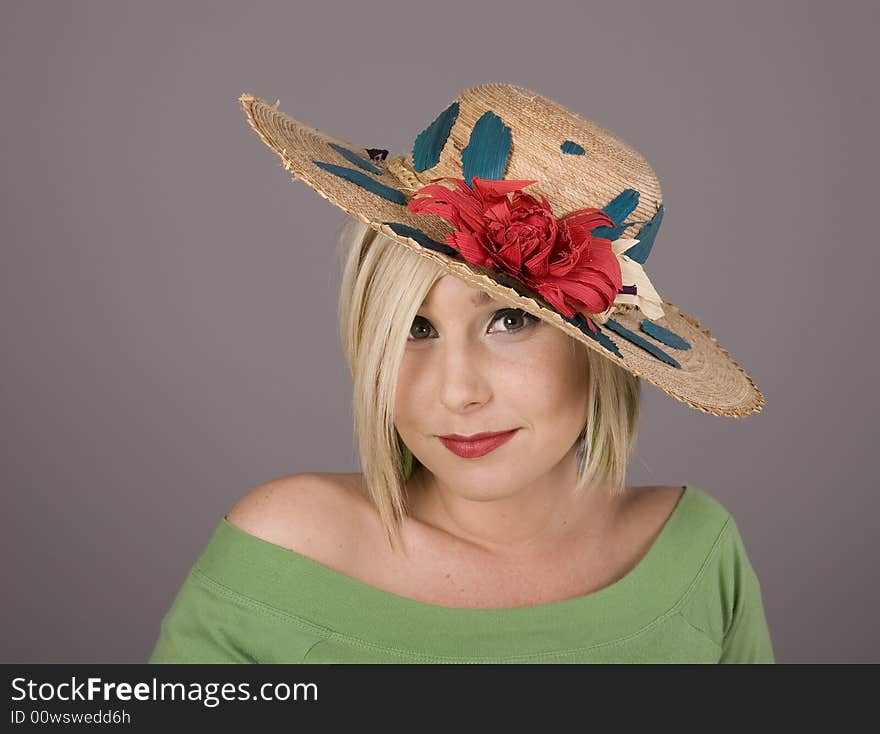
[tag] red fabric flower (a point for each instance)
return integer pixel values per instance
(572, 269)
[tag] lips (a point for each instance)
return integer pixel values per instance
(474, 436)
(476, 445)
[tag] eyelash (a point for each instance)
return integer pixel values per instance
(530, 320)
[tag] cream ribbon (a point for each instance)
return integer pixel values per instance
(646, 298)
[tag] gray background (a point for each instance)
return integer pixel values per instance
(169, 295)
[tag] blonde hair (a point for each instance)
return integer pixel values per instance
(383, 286)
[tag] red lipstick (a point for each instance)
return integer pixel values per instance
(479, 444)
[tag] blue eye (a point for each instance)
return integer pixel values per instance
(516, 314)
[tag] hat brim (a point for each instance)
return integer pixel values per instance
(697, 371)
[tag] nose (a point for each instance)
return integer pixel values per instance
(464, 377)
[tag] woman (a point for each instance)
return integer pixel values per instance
(520, 546)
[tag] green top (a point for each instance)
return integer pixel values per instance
(693, 598)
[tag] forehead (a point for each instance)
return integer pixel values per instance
(449, 288)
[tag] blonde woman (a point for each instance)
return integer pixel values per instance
(491, 521)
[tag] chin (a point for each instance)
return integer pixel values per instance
(484, 480)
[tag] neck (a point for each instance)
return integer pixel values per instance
(535, 521)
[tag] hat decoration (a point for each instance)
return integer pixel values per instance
(569, 261)
(562, 259)
(576, 264)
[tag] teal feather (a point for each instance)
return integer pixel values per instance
(429, 142)
(487, 150)
(405, 230)
(619, 208)
(631, 336)
(661, 334)
(640, 251)
(580, 321)
(353, 157)
(364, 181)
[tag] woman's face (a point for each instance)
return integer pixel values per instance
(474, 365)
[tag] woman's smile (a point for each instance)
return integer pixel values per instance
(475, 448)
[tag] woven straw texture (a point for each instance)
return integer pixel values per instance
(707, 378)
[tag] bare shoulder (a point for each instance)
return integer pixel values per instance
(654, 501)
(652, 495)
(645, 510)
(315, 514)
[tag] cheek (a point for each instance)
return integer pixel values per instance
(411, 393)
(556, 381)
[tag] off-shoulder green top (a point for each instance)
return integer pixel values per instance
(694, 597)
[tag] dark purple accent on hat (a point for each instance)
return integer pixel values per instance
(355, 158)
(376, 154)
(629, 289)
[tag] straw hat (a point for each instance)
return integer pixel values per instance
(538, 206)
